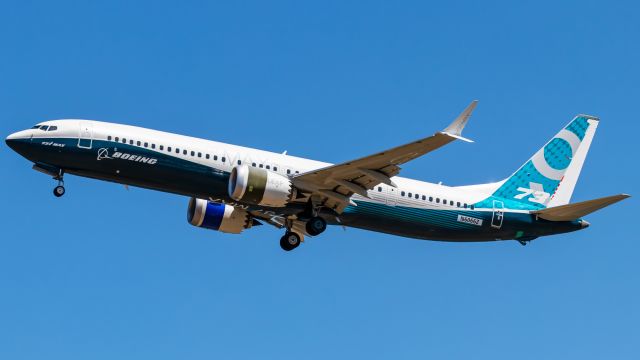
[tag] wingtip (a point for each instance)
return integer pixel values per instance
(456, 127)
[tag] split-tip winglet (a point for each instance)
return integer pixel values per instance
(455, 128)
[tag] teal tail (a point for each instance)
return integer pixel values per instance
(549, 177)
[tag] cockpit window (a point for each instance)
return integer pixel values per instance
(45, 127)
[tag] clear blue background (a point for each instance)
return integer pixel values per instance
(106, 273)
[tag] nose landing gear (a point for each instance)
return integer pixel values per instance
(59, 190)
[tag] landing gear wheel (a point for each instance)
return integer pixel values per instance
(316, 226)
(58, 191)
(289, 241)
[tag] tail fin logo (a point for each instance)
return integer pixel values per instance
(554, 158)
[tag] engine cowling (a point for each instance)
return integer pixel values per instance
(216, 216)
(256, 186)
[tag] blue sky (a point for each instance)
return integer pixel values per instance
(106, 273)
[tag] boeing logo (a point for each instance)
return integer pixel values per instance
(103, 154)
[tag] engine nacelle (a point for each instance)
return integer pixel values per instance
(256, 186)
(216, 216)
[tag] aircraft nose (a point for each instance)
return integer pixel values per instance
(14, 139)
(11, 139)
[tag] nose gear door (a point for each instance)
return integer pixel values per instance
(498, 214)
(85, 137)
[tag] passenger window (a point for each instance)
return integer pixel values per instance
(124, 141)
(275, 168)
(153, 146)
(260, 166)
(458, 204)
(451, 202)
(409, 194)
(117, 139)
(424, 198)
(465, 205)
(193, 153)
(215, 157)
(268, 167)
(138, 143)
(200, 154)
(207, 156)
(430, 198)
(169, 148)
(437, 200)
(253, 164)
(417, 196)
(184, 152)
(161, 147)
(130, 142)
(240, 163)
(223, 159)
(297, 172)
(379, 188)
(288, 170)
(472, 207)
(146, 144)
(177, 151)
(109, 137)
(402, 193)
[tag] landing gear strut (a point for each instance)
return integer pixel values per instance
(59, 190)
(289, 241)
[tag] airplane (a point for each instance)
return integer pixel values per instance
(232, 188)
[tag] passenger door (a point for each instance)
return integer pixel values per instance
(85, 137)
(498, 214)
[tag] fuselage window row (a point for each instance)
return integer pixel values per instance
(424, 198)
(186, 152)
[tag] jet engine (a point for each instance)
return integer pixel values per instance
(256, 186)
(216, 216)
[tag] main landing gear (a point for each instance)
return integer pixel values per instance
(316, 226)
(59, 190)
(289, 241)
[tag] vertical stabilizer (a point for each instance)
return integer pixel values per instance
(549, 177)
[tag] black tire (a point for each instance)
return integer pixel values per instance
(58, 191)
(316, 226)
(289, 241)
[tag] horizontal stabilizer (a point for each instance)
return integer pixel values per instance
(577, 210)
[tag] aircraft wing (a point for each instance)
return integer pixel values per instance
(334, 185)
